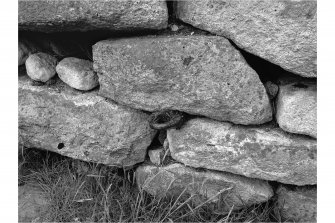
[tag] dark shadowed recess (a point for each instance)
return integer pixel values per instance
(79, 44)
(171, 11)
(266, 70)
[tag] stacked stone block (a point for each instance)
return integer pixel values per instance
(241, 137)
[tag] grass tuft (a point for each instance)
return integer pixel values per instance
(107, 194)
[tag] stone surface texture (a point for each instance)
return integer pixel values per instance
(80, 125)
(297, 108)
(156, 155)
(202, 75)
(41, 66)
(298, 205)
(282, 32)
(205, 185)
(77, 73)
(31, 204)
(264, 152)
(271, 89)
(84, 15)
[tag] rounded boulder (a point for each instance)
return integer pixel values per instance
(77, 73)
(41, 66)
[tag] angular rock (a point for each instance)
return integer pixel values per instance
(298, 205)
(41, 66)
(263, 152)
(84, 15)
(77, 73)
(25, 49)
(32, 204)
(202, 75)
(156, 156)
(271, 89)
(205, 185)
(80, 125)
(282, 32)
(296, 108)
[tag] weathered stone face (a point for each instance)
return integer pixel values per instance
(282, 32)
(202, 75)
(156, 155)
(225, 187)
(84, 15)
(298, 205)
(82, 126)
(296, 108)
(258, 152)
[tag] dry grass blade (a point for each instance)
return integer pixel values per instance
(109, 196)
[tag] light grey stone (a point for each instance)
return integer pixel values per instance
(32, 203)
(263, 152)
(156, 156)
(85, 15)
(230, 189)
(282, 32)
(77, 73)
(174, 28)
(299, 204)
(80, 125)
(201, 75)
(41, 66)
(297, 108)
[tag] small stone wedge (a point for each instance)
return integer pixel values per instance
(297, 108)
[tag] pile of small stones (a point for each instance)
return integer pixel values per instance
(42, 67)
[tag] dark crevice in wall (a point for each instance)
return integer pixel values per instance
(266, 70)
(275, 185)
(171, 11)
(78, 43)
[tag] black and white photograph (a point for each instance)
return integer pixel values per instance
(166, 111)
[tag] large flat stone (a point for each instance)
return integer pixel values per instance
(263, 152)
(299, 204)
(84, 15)
(282, 32)
(296, 107)
(231, 189)
(202, 75)
(80, 125)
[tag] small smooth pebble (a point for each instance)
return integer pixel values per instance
(41, 66)
(77, 73)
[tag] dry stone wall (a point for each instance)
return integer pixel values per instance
(95, 75)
